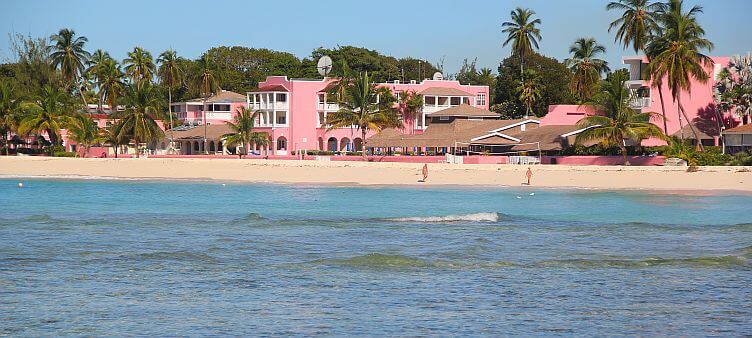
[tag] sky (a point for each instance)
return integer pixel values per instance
(433, 30)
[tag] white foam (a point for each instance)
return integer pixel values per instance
(478, 217)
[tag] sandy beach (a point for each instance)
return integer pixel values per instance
(364, 173)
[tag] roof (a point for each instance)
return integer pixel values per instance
(225, 96)
(444, 91)
(439, 134)
(706, 130)
(550, 137)
(742, 129)
(213, 132)
(464, 110)
(271, 88)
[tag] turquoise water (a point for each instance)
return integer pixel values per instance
(99, 258)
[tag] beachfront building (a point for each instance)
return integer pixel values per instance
(293, 113)
(738, 139)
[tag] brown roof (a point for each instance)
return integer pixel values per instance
(439, 134)
(742, 129)
(705, 130)
(213, 132)
(443, 91)
(272, 88)
(464, 110)
(225, 96)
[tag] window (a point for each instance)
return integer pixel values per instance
(281, 118)
(454, 101)
(219, 107)
(397, 94)
(321, 98)
(281, 143)
(430, 100)
(281, 97)
(480, 100)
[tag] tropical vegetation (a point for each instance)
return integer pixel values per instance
(242, 135)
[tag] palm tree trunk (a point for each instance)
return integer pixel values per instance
(691, 127)
(136, 140)
(623, 150)
(663, 110)
(83, 98)
(363, 145)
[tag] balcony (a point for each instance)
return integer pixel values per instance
(640, 102)
(428, 109)
(329, 106)
(269, 105)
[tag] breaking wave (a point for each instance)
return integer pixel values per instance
(477, 217)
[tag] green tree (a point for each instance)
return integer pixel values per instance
(414, 69)
(10, 110)
(638, 24)
(587, 68)
(364, 110)
(170, 74)
(112, 138)
(68, 53)
(240, 69)
(50, 115)
(111, 83)
(83, 130)
(410, 105)
(204, 80)
(242, 132)
(138, 121)
(523, 33)
(617, 122)
(139, 66)
(555, 75)
(96, 66)
(676, 55)
(529, 90)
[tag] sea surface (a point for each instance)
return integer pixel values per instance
(146, 258)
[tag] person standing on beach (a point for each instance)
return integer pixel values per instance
(425, 172)
(529, 175)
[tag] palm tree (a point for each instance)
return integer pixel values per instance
(242, 132)
(204, 80)
(617, 122)
(96, 65)
(586, 66)
(139, 120)
(410, 106)
(638, 24)
(111, 83)
(50, 116)
(67, 52)
(529, 90)
(83, 130)
(170, 74)
(363, 111)
(110, 137)
(522, 33)
(676, 54)
(10, 111)
(139, 66)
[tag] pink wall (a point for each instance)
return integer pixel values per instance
(604, 160)
(565, 114)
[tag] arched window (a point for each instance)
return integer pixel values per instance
(281, 143)
(211, 145)
(219, 146)
(331, 144)
(344, 144)
(195, 146)
(357, 144)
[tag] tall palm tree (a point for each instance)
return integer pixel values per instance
(523, 33)
(242, 132)
(617, 122)
(111, 83)
(676, 54)
(170, 74)
(10, 111)
(204, 79)
(139, 119)
(530, 90)
(83, 130)
(112, 138)
(139, 66)
(96, 65)
(50, 116)
(586, 66)
(410, 106)
(67, 52)
(363, 110)
(638, 24)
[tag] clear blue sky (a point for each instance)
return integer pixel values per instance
(428, 29)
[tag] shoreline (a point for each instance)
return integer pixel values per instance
(380, 174)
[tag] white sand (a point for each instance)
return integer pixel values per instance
(364, 173)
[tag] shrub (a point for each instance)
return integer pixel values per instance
(64, 154)
(741, 158)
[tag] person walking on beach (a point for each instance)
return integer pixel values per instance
(529, 175)
(425, 172)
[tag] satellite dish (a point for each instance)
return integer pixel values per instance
(324, 66)
(438, 76)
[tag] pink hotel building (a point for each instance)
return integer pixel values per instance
(293, 112)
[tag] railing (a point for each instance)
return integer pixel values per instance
(329, 106)
(432, 109)
(270, 105)
(640, 102)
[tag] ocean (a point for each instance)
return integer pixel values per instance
(102, 258)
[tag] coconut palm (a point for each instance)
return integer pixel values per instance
(10, 110)
(676, 54)
(170, 74)
(529, 90)
(204, 79)
(139, 119)
(96, 65)
(67, 52)
(242, 132)
(739, 94)
(363, 110)
(111, 83)
(410, 106)
(523, 33)
(638, 24)
(112, 138)
(83, 130)
(49, 116)
(139, 66)
(586, 66)
(617, 122)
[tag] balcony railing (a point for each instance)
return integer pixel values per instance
(434, 108)
(640, 102)
(329, 106)
(270, 105)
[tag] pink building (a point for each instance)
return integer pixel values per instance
(293, 113)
